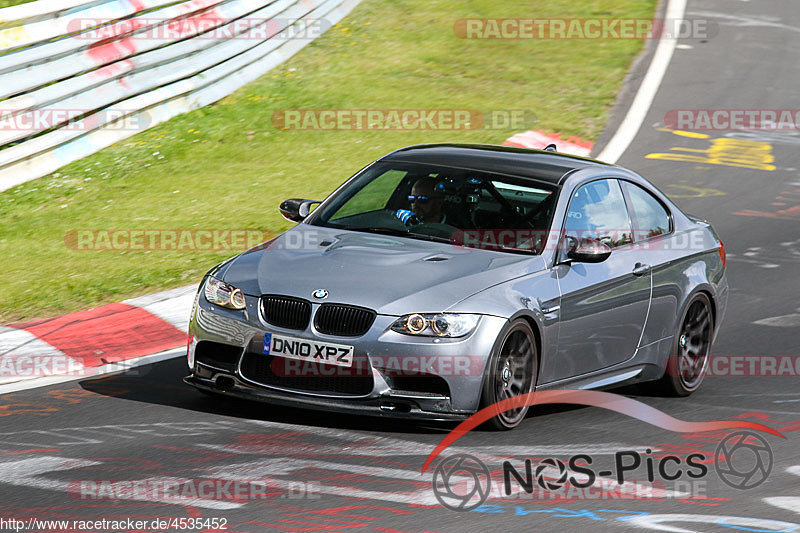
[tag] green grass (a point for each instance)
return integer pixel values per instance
(226, 166)
(9, 3)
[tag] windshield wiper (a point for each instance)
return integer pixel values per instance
(379, 230)
(398, 233)
(510, 249)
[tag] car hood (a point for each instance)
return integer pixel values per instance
(392, 275)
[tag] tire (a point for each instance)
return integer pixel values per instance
(688, 360)
(511, 372)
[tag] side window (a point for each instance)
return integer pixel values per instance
(373, 196)
(597, 210)
(650, 218)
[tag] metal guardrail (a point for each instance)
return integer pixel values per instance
(77, 76)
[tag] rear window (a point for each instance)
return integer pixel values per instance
(650, 217)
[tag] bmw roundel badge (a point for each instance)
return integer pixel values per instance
(320, 294)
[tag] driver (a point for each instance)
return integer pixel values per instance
(427, 200)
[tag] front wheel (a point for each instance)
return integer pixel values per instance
(688, 360)
(511, 372)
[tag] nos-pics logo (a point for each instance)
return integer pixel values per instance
(461, 482)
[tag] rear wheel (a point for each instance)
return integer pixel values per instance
(511, 372)
(688, 361)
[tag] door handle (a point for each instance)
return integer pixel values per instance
(640, 269)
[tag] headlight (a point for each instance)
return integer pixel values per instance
(222, 294)
(438, 325)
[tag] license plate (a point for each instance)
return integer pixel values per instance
(307, 350)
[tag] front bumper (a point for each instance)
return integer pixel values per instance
(390, 406)
(456, 365)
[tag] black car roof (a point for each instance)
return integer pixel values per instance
(523, 162)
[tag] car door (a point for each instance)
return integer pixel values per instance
(603, 305)
(653, 233)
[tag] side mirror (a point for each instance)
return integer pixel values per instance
(296, 209)
(589, 251)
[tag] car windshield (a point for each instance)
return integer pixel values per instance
(463, 207)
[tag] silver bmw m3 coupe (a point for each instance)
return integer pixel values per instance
(442, 279)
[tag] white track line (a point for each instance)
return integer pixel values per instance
(647, 90)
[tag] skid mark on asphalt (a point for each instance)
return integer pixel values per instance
(72, 436)
(788, 201)
(30, 473)
(790, 503)
(321, 458)
(767, 258)
(299, 453)
(739, 408)
(18, 404)
(740, 21)
(791, 320)
(331, 519)
(292, 452)
(777, 137)
(270, 470)
(379, 445)
(369, 445)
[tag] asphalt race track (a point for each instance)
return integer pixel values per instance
(339, 473)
